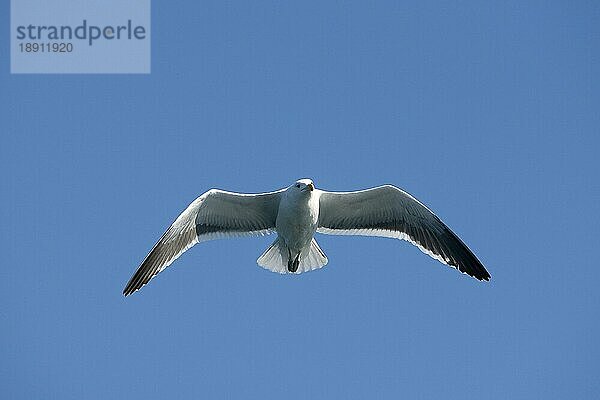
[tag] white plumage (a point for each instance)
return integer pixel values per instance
(295, 214)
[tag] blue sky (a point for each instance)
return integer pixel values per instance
(488, 113)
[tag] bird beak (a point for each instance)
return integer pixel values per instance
(310, 187)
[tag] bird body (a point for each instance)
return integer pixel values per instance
(295, 214)
(297, 219)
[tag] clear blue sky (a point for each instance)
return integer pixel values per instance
(487, 113)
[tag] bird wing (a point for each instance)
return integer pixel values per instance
(214, 215)
(391, 212)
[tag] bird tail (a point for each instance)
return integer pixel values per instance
(277, 256)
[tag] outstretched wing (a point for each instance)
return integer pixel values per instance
(214, 215)
(390, 212)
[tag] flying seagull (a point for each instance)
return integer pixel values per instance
(295, 214)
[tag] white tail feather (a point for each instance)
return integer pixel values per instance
(275, 258)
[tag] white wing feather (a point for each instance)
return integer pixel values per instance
(387, 211)
(214, 215)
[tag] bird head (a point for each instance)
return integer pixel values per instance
(303, 186)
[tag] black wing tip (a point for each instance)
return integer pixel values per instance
(483, 278)
(141, 277)
(482, 275)
(133, 285)
(487, 276)
(128, 291)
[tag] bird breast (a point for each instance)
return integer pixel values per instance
(297, 219)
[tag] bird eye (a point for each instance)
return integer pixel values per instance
(297, 185)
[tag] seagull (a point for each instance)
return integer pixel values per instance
(295, 214)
